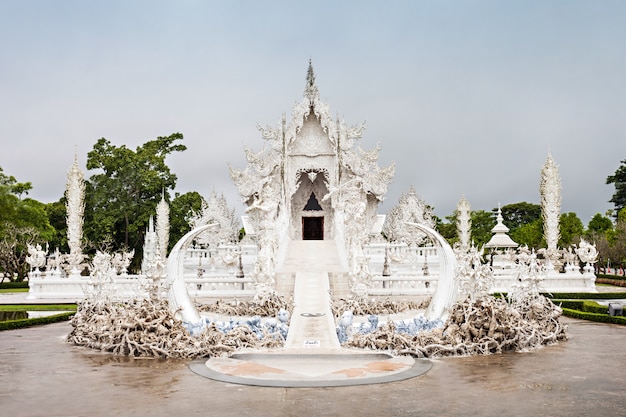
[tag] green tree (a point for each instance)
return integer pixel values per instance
(447, 229)
(619, 180)
(529, 234)
(612, 244)
(519, 214)
(571, 229)
(182, 207)
(14, 243)
(123, 195)
(22, 222)
(57, 214)
(598, 225)
(482, 223)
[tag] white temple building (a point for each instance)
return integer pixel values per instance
(312, 196)
(312, 183)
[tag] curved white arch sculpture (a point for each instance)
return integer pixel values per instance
(446, 292)
(180, 301)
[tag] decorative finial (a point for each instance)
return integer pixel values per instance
(311, 92)
(310, 75)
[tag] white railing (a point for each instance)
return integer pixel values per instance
(403, 285)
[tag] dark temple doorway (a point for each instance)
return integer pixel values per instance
(313, 228)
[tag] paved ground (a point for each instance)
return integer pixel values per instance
(40, 375)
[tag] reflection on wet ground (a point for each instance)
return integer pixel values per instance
(13, 315)
(27, 314)
(40, 374)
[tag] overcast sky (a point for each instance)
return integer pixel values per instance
(467, 97)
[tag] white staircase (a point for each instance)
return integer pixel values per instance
(312, 256)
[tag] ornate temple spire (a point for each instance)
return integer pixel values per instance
(550, 190)
(163, 226)
(75, 207)
(311, 92)
(149, 248)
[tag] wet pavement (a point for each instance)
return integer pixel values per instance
(41, 375)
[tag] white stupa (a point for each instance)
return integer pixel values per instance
(500, 238)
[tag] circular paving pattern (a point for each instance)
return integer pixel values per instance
(319, 369)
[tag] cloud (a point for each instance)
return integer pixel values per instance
(467, 100)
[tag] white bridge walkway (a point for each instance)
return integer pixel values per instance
(312, 324)
(312, 355)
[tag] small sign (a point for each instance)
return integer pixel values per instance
(311, 344)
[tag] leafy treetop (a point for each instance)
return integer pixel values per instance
(619, 179)
(121, 198)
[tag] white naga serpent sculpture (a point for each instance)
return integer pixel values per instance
(180, 302)
(446, 292)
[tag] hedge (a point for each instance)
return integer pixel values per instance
(602, 318)
(611, 281)
(586, 295)
(611, 276)
(584, 306)
(13, 285)
(576, 295)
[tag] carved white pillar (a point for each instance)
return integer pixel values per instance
(163, 226)
(75, 208)
(550, 190)
(463, 224)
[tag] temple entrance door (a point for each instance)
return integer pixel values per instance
(313, 228)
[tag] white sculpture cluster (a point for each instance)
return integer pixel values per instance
(475, 277)
(101, 276)
(121, 261)
(588, 254)
(530, 273)
(36, 257)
